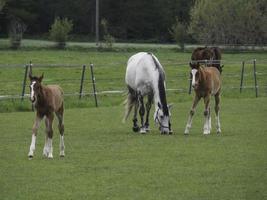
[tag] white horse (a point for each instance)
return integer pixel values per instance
(145, 77)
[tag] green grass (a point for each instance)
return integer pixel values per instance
(109, 70)
(105, 160)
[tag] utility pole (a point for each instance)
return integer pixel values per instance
(97, 22)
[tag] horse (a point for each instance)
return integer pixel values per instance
(46, 100)
(211, 56)
(145, 76)
(206, 82)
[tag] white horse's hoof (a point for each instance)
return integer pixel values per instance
(143, 130)
(62, 154)
(206, 132)
(45, 153)
(50, 156)
(30, 154)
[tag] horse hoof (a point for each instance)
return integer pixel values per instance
(136, 129)
(30, 157)
(143, 130)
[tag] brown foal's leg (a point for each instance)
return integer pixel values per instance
(217, 110)
(60, 114)
(192, 112)
(49, 130)
(35, 127)
(206, 128)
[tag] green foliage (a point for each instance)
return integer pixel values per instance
(59, 31)
(108, 38)
(179, 33)
(2, 4)
(16, 30)
(229, 22)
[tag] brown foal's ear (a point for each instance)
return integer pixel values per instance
(41, 78)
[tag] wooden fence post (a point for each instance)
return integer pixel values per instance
(242, 75)
(93, 81)
(255, 77)
(24, 82)
(82, 80)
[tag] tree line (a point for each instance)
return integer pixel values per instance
(183, 21)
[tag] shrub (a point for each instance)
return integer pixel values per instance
(16, 30)
(179, 33)
(59, 31)
(108, 38)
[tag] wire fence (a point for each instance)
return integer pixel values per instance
(103, 82)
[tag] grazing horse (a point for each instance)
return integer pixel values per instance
(145, 77)
(206, 81)
(212, 55)
(47, 100)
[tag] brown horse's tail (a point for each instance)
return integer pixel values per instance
(129, 102)
(218, 56)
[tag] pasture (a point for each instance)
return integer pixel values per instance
(106, 160)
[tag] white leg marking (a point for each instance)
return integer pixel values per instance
(62, 146)
(50, 147)
(209, 123)
(32, 147)
(206, 126)
(218, 124)
(189, 124)
(45, 150)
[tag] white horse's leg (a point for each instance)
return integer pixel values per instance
(148, 107)
(191, 114)
(34, 134)
(142, 113)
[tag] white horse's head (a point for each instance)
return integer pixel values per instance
(163, 119)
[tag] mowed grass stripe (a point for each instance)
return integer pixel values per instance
(106, 160)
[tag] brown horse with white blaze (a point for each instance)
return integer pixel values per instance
(47, 100)
(206, 82)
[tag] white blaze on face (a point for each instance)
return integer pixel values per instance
(193, 72)
(32, 90)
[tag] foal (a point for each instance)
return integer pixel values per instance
(206, 81)
(47, 100)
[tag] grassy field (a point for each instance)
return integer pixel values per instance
(105, 160)
(64, 67)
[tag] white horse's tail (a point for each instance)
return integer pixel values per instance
(129, 102)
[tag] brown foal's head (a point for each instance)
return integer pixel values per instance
(35, 86)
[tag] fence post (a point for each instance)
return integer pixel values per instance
(242, 76)
(81, 85)
(93, 81)
(255, 77)
(206, 63)
(24, 82)
(30, 72)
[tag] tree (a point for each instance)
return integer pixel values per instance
(229, 22)
(179, 33)
(59, 31)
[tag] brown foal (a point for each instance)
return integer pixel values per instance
(206, 82)
(47, 100)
